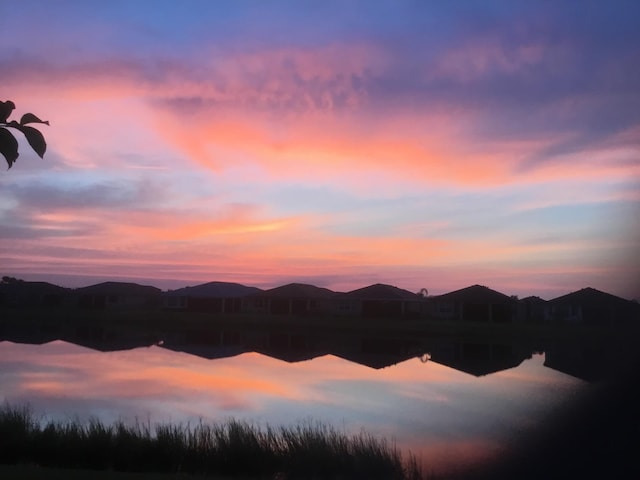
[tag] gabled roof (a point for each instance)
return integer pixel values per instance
(380, 291)
(475, 293)
(533, 299)
(32, 288)
(299, 290)
(215, 290)
(591, 296)
(118, 288)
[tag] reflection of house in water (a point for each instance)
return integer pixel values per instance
(593, 361)
(221, 343)
(117, 295)
(292, 299)
(377, 360)
(106, 339)
(96, 337)
(209, 342)
(477, 356)
(290, 346)
(381, 352)
(32, 294)
(29, 332)
(209, 351)
(592, 307)
(211, 297)
(294, 345)
(379, 300)
(474, 304)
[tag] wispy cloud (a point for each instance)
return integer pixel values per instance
(403, 144)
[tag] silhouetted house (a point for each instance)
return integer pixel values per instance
(291, 299)
(532, 309)
(118, 295)
(474, 304)
(379, 300)
(211, 297)
(32, 294)
(592, 307)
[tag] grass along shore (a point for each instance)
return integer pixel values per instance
(231, 449)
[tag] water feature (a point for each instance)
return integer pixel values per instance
(453, 400)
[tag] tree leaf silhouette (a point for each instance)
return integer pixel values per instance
(8, 146)
(5, 110)
(8, 143)
(35, 139)
(31, 118)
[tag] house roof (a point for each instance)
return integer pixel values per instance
(215, 290)
(31, 288)
(533, 299)
(380, 291)
(299, 290)
(475, 293)
(118, 288)
(591, 296)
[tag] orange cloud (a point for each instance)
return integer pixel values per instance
(295, 114)
(349, 146)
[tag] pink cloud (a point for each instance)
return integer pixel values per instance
(295, 113)
(290, 116)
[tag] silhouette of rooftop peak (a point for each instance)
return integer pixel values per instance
(118, 287)
(299, 290)
(476, 292)
(382, 291)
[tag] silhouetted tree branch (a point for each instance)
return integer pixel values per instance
(8, 141)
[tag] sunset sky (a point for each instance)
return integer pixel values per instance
(339, 143)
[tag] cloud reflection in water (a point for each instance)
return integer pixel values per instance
(439, 413)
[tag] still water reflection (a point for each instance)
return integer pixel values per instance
(450, 400)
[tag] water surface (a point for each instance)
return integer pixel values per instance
(446, 416)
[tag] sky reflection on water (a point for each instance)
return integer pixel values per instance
(441, 414)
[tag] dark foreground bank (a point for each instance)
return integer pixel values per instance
(232, 449)
(34, 472)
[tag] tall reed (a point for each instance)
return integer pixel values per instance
(307, 450)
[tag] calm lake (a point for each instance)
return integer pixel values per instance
(453, 401)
